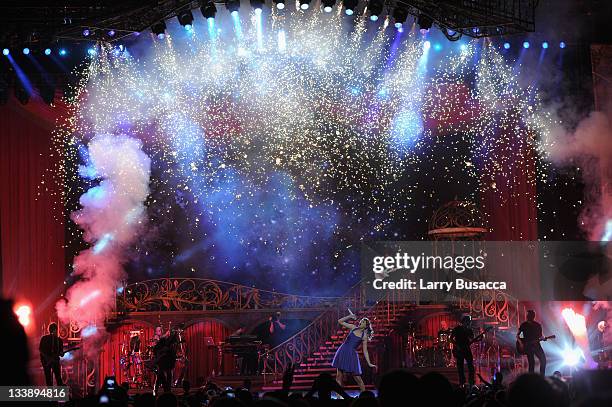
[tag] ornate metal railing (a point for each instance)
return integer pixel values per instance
(193, 294)
(301, 345)
(493, 306)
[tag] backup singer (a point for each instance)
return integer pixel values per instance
(532, 335)
(164, 352)
(462, 336)
(51, 348)
(346, 359)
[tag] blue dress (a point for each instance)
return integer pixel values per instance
(346, 358)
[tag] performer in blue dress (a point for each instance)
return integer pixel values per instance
(346, 359)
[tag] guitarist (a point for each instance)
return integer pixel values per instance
(462, 337)
(51, 348)
(532, 335)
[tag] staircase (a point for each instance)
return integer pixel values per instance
(312, 349)
(383, 316)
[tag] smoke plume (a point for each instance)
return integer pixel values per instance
(589, 147)
(112, 215)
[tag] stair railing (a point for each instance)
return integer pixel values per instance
(300, 346)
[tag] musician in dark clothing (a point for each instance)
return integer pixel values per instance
(51, 348)
(164, 352)
(461, 336)
(531, 336)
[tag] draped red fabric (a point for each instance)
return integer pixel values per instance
(202, 358)
(31, 224)
(510, 207)
(113, 351)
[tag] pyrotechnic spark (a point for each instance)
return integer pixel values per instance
(286, 140)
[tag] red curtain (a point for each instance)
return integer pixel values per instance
(31, 222)
(202, 358)
(112, 352)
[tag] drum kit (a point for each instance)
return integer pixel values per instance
(429, 351)
(137, 359)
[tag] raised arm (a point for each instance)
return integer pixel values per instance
(342, 321)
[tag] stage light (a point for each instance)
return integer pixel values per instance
(47, 51)
(63, 52)
(506, 45)
(438, 46)
(111, 33)
(23, 313)
(400, 15)
(159, 29)
(328, 5)
(89, 331)
(5, 51)
(349, 7)
(424, 22)
(209, 10)
(545, 45)
(92, 52)
(26, 51)
(257, 5)
(185, 18)
(375, 7)
(526, 44)
(304, 4)
(86, 32)
(572, 357)
(562, 45)
(233, 6)
(280, 4)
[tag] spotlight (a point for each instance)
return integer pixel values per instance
(26, 51)
(86, 32)
(506, 45)
(5, 51)
(562, 45)
(111, 33)
(63, 52)
(209, 10)
(349, 7)
(545, 45)
(526, 44)
(424, 22)
(47, 51)
(400, 15)
(572, 357)
(375, 7)
(159, 29)
(257, 5)
(304, 4)
(23, 313)
(185, 18)
(233, 6)
(92, 52)
(450, 34)
(328, 5)
(280, 4)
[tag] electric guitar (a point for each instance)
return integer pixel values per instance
(521, 344)
(459, 351)
(47, 360)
